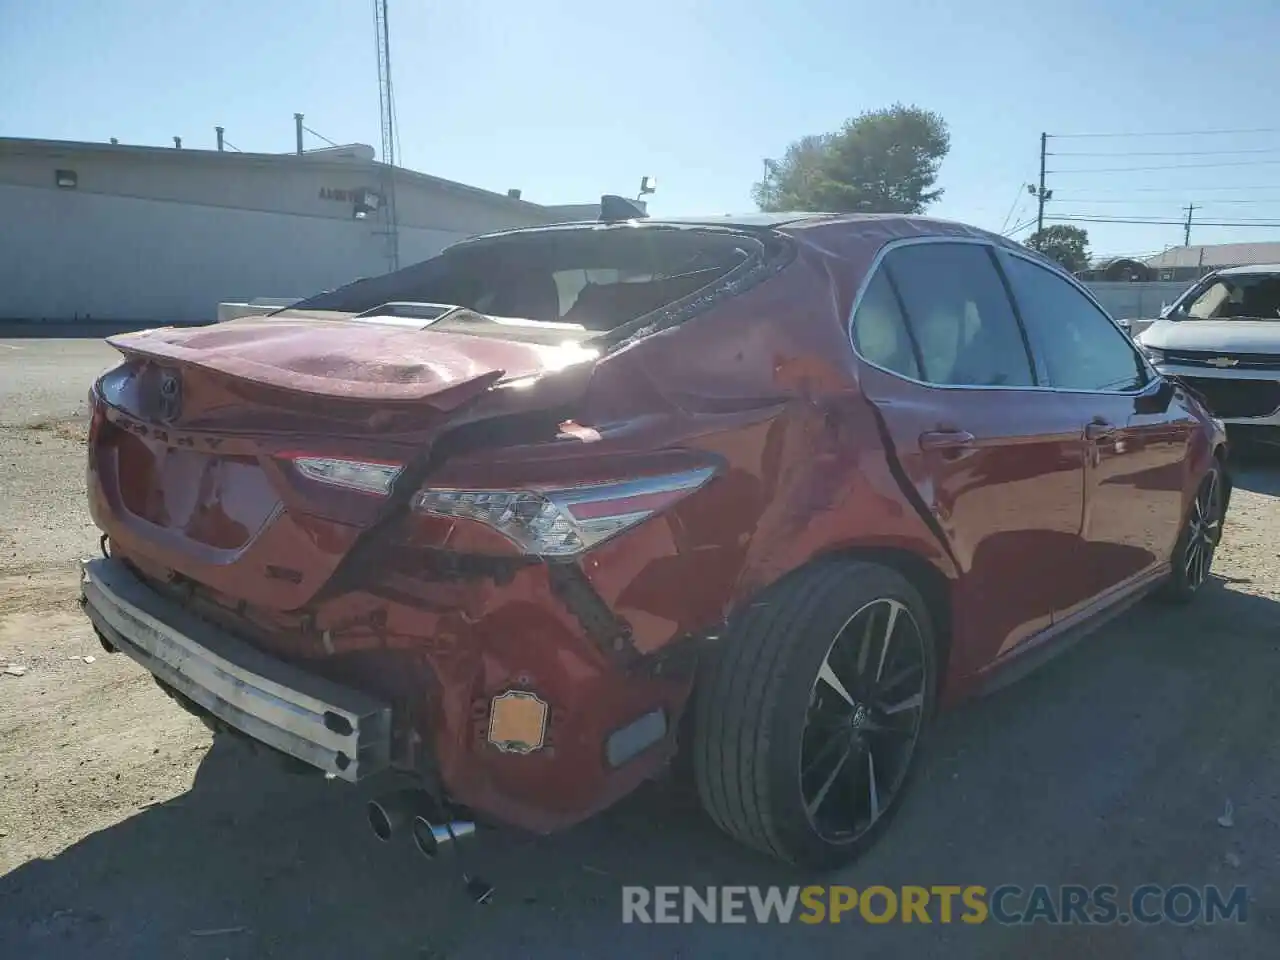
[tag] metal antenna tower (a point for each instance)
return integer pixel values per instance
(386, 105)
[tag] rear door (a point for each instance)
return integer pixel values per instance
(994, 457)
(1137, 439)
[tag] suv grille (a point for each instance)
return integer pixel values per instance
(1238, 398)
(1205, 358)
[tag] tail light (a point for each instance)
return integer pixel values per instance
(566, 521)
(364, 476)
(96, 418)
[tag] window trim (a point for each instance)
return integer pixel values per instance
(917, 358)
(997, 250)
(1144, 364)
(877, 264)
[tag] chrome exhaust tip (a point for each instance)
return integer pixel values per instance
(429, 837)
(392, 812)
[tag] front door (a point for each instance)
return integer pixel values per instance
(1136, 436)
(995, 460)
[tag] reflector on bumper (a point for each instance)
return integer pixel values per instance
(339, 730)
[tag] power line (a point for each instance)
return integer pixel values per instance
(1182, 190)
(1022, 226)
(1208, 203)
(1013, 206)
(1174, 133)
(1170, 166)
(1164, 222)
(319, 135)
(1165, 153)
(1159, 218)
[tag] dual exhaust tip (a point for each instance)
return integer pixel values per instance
(417, 811)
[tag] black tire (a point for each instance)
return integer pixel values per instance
(761, 709)
(1199, 538)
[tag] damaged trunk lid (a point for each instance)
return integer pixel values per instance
(251, 456)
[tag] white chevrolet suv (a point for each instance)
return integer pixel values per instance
(1222, 338)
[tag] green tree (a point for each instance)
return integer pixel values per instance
(1066, 244)
(881, 161)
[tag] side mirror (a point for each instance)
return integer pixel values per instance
(1157, 397)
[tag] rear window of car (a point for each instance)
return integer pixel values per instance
(960, 316)
(597, 278)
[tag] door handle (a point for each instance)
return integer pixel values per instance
(946, 439)
(1099, 429)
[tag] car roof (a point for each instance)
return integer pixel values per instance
(788, 221)
(777, 219)
(1248, 269)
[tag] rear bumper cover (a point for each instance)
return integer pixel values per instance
(341, 731)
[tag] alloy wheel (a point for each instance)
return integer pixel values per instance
(866, 708)
(1204, 530)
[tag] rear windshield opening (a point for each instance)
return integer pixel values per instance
(594, 279)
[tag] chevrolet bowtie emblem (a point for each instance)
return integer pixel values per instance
(1223, 361)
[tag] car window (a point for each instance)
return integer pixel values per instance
(960, 315)
(879, 330)
(1208, 304)
(1248, 296)
(1081, 347)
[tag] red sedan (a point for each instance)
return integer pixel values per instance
(521, 520)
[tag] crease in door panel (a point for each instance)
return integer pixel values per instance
(909, 489)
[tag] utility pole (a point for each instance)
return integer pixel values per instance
(1186, 230)
(1041, 194)
(1044, 140)
(386, 105)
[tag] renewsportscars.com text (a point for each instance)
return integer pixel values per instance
(1007, 904)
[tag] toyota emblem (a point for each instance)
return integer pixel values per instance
(170, 396)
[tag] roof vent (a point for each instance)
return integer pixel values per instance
(615, 209)
(514, 193)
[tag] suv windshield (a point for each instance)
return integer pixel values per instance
(1251, 296)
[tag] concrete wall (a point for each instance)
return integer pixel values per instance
(165, 235)
(65, 255)
(1135, 301)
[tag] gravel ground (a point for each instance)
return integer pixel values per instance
(125, 834)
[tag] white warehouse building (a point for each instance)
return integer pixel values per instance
(106, 231)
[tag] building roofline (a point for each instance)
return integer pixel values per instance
(324, 158)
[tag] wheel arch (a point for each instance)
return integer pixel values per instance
(1220, 454)
(922, 573)
(933, 584)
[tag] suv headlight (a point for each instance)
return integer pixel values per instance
(1153, 354)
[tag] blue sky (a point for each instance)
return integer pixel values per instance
(569, 99)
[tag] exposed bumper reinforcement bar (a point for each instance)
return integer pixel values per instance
(339, 730)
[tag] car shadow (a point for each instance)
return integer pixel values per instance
(1256, 467)
(1106, 766)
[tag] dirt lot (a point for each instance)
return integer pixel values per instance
(123, 834)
